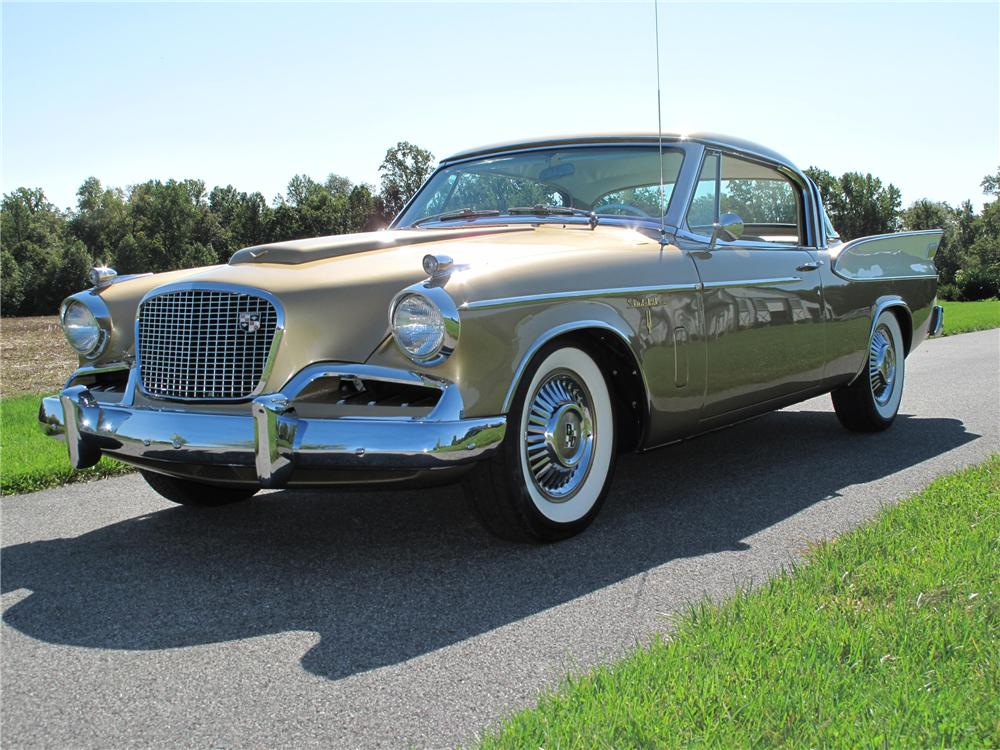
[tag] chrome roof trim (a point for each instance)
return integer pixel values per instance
(716, 140)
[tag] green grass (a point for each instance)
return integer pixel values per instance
(888, 637)
(962, 317)
(30, 460)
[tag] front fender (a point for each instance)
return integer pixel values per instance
(498, 343)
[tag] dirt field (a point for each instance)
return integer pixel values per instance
(34, 356)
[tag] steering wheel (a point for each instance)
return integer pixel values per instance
(630, 210)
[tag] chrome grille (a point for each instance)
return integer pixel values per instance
(201, 343)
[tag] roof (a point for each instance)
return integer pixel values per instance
(708, 139)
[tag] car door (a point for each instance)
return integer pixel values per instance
(762, 295)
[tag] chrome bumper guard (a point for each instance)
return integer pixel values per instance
(272, 439)
(936, 324)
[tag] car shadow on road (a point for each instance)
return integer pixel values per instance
(385, 577)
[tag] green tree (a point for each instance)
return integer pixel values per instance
(858, 204)
(403, 171)
(41, 261)
(244, 219)
(979, 277)
(829, 186)
(11, 284)
(991, 184)
(171, 227)
(364, 209)
(101, 219)
(928, 214)
(338, 184)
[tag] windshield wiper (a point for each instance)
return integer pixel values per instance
(462, 213)
(541, 209)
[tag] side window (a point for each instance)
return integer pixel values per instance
(767, 201)
(702, 212)
(832, 237)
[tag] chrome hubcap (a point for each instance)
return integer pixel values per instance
(559, 439)
(882, 365)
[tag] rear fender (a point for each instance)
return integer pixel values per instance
(902, 311)
(904, 255)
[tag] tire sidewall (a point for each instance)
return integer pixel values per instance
(548, 519)
(887, 412)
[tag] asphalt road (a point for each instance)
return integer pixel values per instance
(391, 619)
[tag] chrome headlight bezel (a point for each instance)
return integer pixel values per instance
(444, 306)
(98, 311)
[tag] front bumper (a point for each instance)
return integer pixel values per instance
(272, 446)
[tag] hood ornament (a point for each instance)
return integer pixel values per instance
(102, 277)
(436, 265)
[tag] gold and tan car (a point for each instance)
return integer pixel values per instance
(535, 309)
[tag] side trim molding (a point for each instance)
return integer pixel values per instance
(586, 293)
(750, 282)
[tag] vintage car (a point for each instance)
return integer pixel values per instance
(536, 308)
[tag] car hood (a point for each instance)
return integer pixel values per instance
(336, 291)
(296, 252)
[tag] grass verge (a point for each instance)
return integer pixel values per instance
(963, 317)
(887, 638)
(30, 460)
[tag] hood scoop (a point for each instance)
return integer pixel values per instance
(323, 248)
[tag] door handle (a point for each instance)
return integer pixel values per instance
(811, 265)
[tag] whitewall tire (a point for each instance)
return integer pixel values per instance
(871, 402)
(552, 473)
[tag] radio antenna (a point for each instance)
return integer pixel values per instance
(659, 117)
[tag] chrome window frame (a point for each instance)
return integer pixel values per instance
(801, 182)
(213, 286)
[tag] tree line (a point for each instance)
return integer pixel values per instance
(46, 253)
(968, 259)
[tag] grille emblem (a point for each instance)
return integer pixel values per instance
(249, 322)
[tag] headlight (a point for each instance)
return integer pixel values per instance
(418, 326)
(425, 324)
(82, 330)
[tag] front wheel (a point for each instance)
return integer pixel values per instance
(189, 492)
(553, 470)
(871, 402)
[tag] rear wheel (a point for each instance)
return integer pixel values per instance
(871, 402)
(189, 492)
(552, 472)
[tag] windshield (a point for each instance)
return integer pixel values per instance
(621, 181)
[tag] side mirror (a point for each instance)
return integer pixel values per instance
(729, 227)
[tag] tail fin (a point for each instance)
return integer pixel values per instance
(903, 255)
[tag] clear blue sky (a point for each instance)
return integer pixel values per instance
(250, 94)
